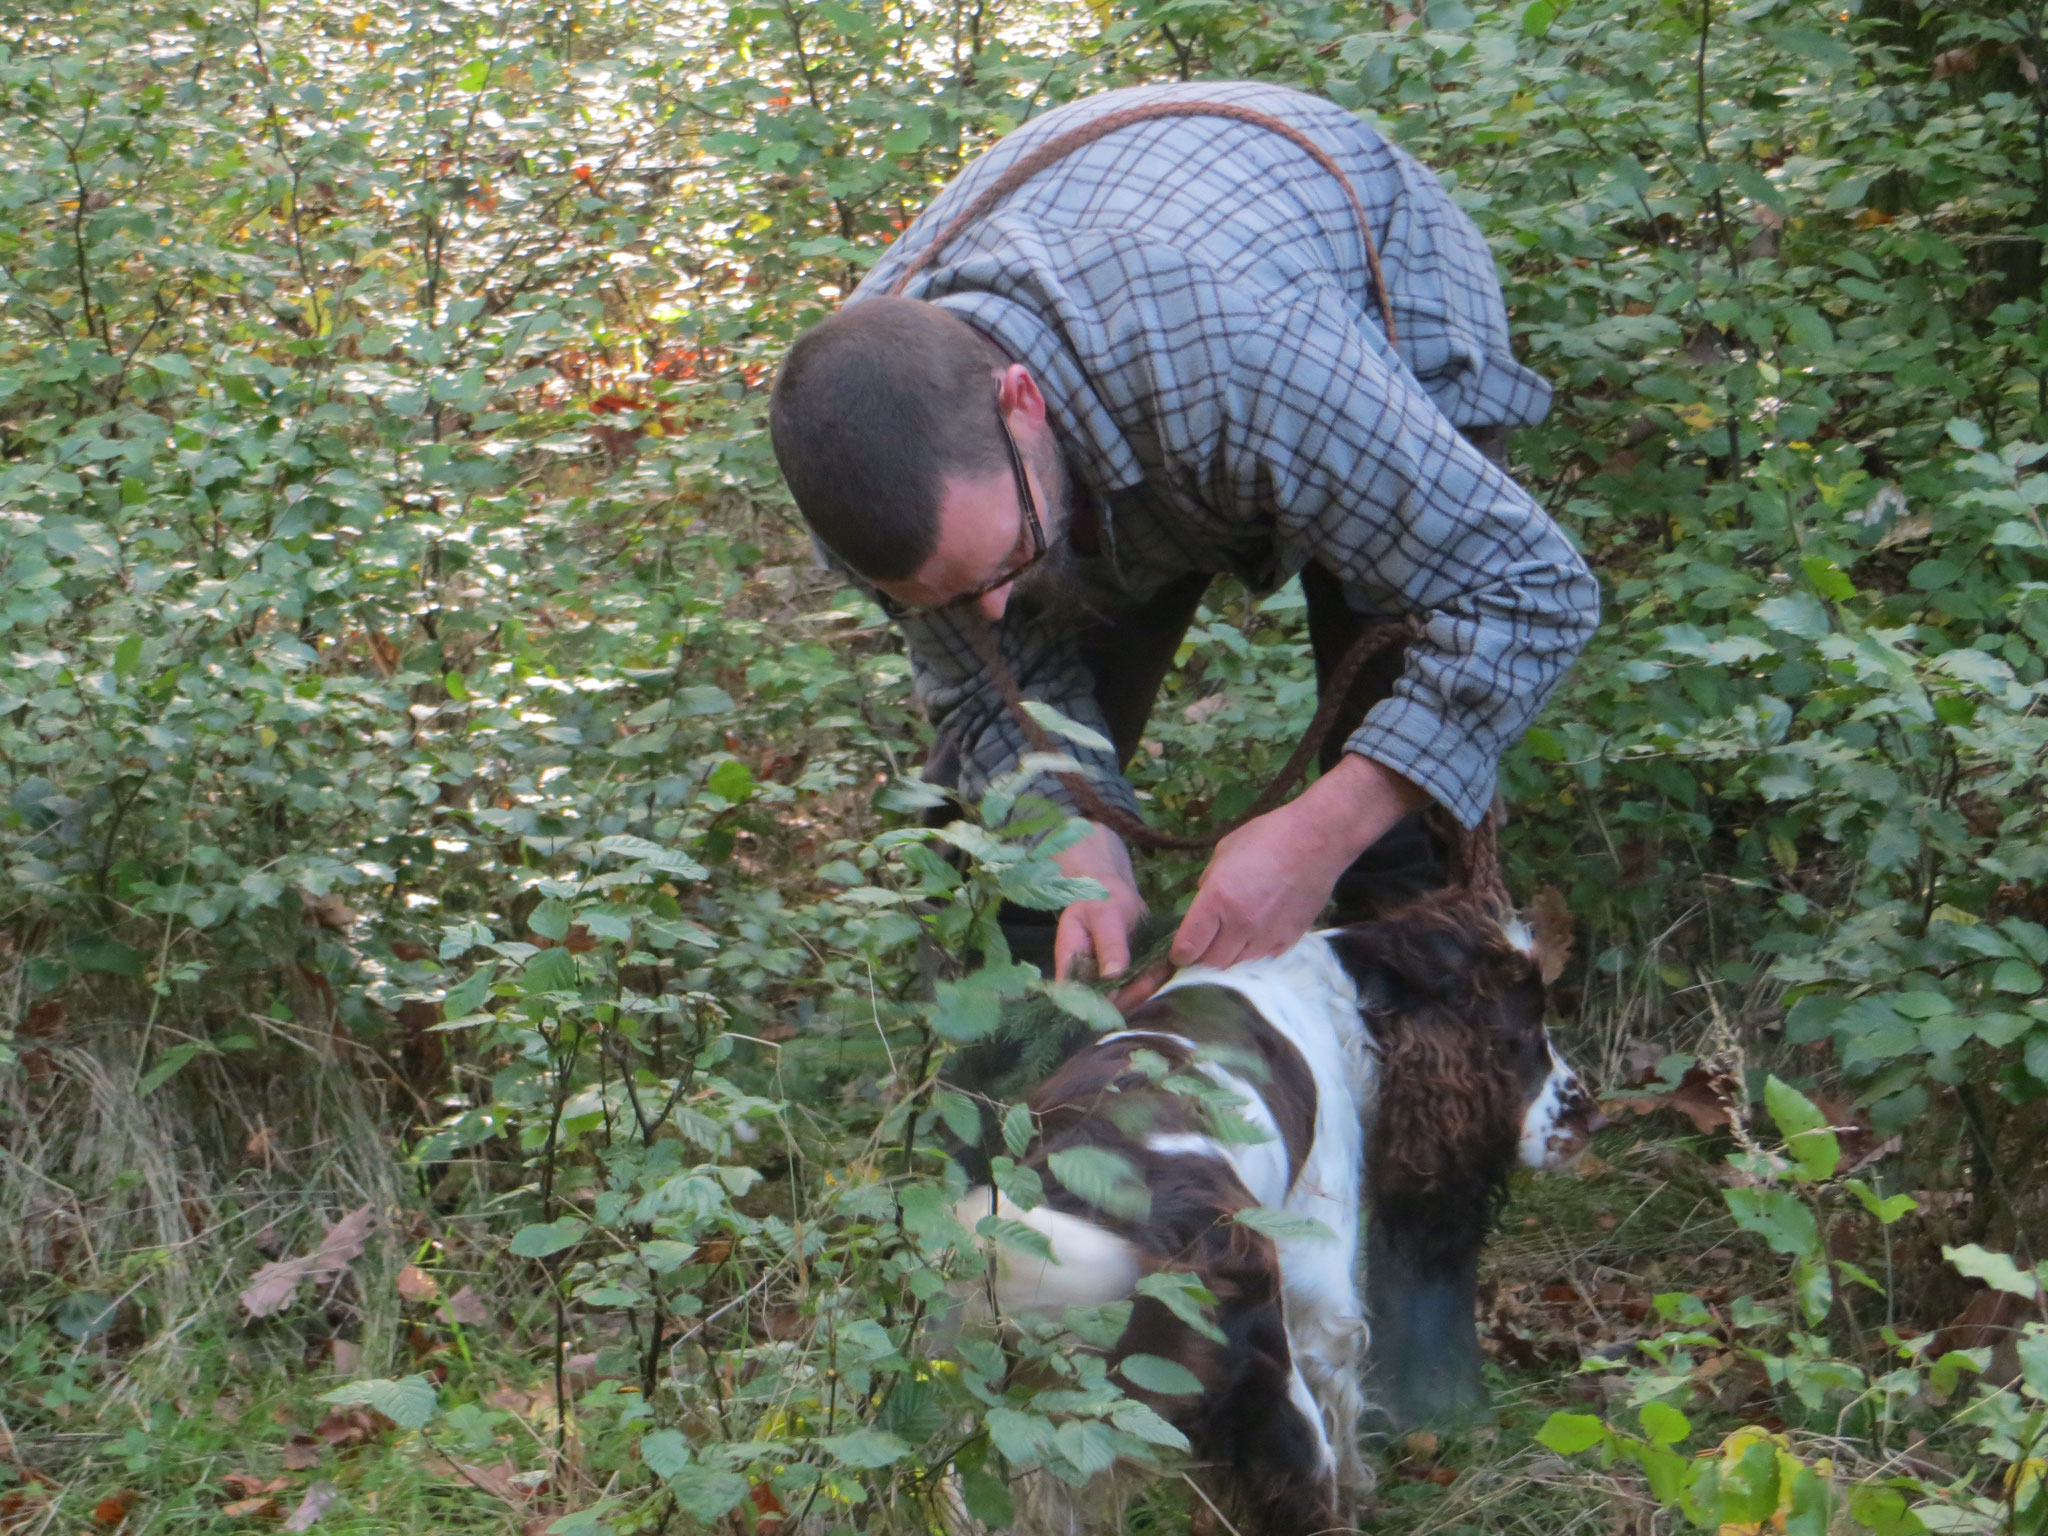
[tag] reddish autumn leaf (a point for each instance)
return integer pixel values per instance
(112, 1511)
(1550, 924)
(415, 1284)
(300, 1454)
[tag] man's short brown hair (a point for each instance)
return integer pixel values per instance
(874, 407)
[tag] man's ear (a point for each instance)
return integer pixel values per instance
(1017, 396)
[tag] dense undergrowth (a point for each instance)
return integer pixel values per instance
(437, 781)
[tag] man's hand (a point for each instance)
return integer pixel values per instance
(1267, 880)
(1099, 928)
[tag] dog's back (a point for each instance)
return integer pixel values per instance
(1258, 1087)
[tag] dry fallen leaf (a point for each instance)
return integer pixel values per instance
(500, 1480)
(112, 1511)
(301, 1454)
(247, 1485)
(252, 1509)
(1550, 921)
(415, 1284)
(319, 1499)
(262, 1146)
(345, 1356)
(468, 1308)
(1702, 1096)
(274, 1285)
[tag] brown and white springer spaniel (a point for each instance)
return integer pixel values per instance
(1398, 1069)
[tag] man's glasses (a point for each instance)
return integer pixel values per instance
(1027, 512)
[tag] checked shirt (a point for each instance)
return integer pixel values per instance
(1193, 299)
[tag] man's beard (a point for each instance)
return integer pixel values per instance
(1056, 584)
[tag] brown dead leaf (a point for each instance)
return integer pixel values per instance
(513, 1401)
(499, 1480)
(406, 949)
(300, 1454)
(262, 1146)
(346, 1357)
(2029, 70)
(328, 911)
(1550, 921)
(247, 1485)
(415, 1284)
(1990, 1320)
(1702, 1096)
(347, 1427)
(319, 1499)
(1907, 530)
(252, 1509)
(21, 1507)
(1959, 61)
(1872, 218)
(272, 1287)
(468, 1309)
(111, 1513)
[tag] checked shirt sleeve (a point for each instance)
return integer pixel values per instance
(971, 716)
(1369, 479)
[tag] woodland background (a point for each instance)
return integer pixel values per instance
(456, 849)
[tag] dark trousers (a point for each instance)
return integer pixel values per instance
(1129, 654)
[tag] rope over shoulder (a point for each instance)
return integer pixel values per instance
(1064, 144)
(1476, 860)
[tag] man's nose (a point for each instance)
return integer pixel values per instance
(993, 603)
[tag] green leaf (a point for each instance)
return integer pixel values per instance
(169, 1065)
(410, 1402)
(471, 76)
(867, 1449)
(468, 995)
(665, 1451)
(987, 1498)
(702, 699)
(1664, 1424)
(551, 920)
(1570, 1433)
(127, 656)
(706, 1493)
(1019, 1128)
(1103, 1178)
(1085, 1004)
(959, 1114)
(1809, 1140)
(1776, 1215)
(1023, 1438)
(1051, 720)
(1284, 1226)
(1169, 1378)
(543, 1238)
(1994, 1269)
(1140, 1420)
(2016, 976)
(552, 970)
(1887, 1209)
(1965, 434)
(732, 781)
(1185, 1297)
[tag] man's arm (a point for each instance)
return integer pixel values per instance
(1367, 478)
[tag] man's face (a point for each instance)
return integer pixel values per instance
(985, 530)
